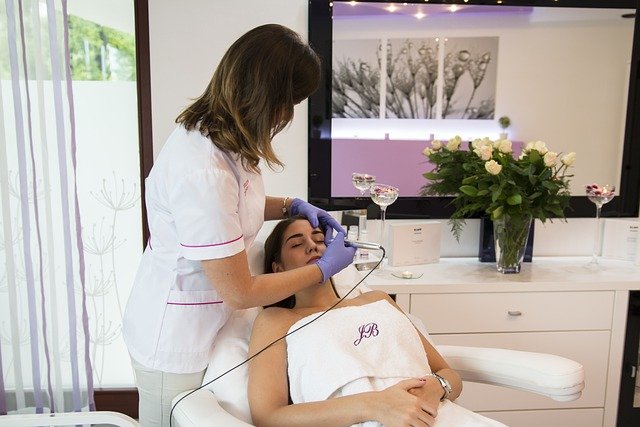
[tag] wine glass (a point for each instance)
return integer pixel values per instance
(383, 195)
(362, 181)
(599, 195)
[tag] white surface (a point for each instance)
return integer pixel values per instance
(458, 275)
(68, 418)
(556, 418)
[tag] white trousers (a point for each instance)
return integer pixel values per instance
(156, 390)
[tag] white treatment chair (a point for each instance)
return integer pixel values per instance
(225, 403)
(103, 418)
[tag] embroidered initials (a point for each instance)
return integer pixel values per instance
(366, 331)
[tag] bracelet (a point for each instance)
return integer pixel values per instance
(285, 211)
(446, 387)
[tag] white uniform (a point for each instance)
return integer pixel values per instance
(201, 204)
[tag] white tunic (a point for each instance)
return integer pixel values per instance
(201, 204)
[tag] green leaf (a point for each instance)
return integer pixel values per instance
(535, 195)
(482, 193)
(516, 199)
(546, 174)
(470, 179)
(469, 190)
(497, 213)
(557, 210)
(431, 175)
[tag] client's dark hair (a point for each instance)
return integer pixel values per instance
(273, 253)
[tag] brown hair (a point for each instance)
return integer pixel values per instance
(273, 253)
(251, 95)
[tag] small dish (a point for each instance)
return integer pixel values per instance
(407, 275)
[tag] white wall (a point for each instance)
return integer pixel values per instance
(188, 38)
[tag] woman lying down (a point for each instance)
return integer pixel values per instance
(362, 363)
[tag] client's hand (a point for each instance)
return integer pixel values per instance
(399, 407)
(429, 393)
(336, 257)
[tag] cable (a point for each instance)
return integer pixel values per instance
(278, 339)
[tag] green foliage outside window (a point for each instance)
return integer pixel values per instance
(97, 52)
(100, 53)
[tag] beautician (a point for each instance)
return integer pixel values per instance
(205, 204)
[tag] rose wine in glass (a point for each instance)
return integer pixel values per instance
(362, 181)
(383, 195)
(599, 195)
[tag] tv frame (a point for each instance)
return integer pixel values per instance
(319, 125)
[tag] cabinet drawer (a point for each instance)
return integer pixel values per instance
(589, 348)
(511, 312)
(556, 418)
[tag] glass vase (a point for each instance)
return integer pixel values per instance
(510, 234)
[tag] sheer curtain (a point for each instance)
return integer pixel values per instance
(44, 329)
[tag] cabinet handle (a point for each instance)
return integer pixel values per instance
(514, 313)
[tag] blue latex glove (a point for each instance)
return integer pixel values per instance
(318, 218)
(336, 257)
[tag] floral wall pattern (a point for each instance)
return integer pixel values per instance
(412, 74)
(470, 77)
(425, 78)
(356, 79)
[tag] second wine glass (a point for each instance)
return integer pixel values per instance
(383, 195)
(599, 195)
(362, 181)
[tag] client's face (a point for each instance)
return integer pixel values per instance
(301, 245)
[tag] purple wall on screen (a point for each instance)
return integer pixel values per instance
(395, 162)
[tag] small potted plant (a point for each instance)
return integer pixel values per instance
(504, 123)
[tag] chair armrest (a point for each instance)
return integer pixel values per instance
(201, 409)
(556, 377)
(68, 418)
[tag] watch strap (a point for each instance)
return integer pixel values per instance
(446, 387)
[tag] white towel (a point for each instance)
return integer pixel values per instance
(351, 343)
(363, 348)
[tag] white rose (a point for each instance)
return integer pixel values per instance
(504, 146)
(436, 145)
(493, 167)
(476, 143)
(484, 152)
(454, 144)
(540, 147)
(569, 159)
(550, 158)
(528, 147)
(427, 151)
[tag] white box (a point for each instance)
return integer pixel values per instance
(620, 238)
(414, 243)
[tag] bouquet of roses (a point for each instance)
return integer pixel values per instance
(485, 177)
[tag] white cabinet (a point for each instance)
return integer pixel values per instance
(553, 306)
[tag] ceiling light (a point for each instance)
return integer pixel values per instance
(392, 8)
(420, 15)
(453, 8)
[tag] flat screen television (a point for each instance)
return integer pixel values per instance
(565, 72)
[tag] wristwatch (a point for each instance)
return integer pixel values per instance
(445, 385)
